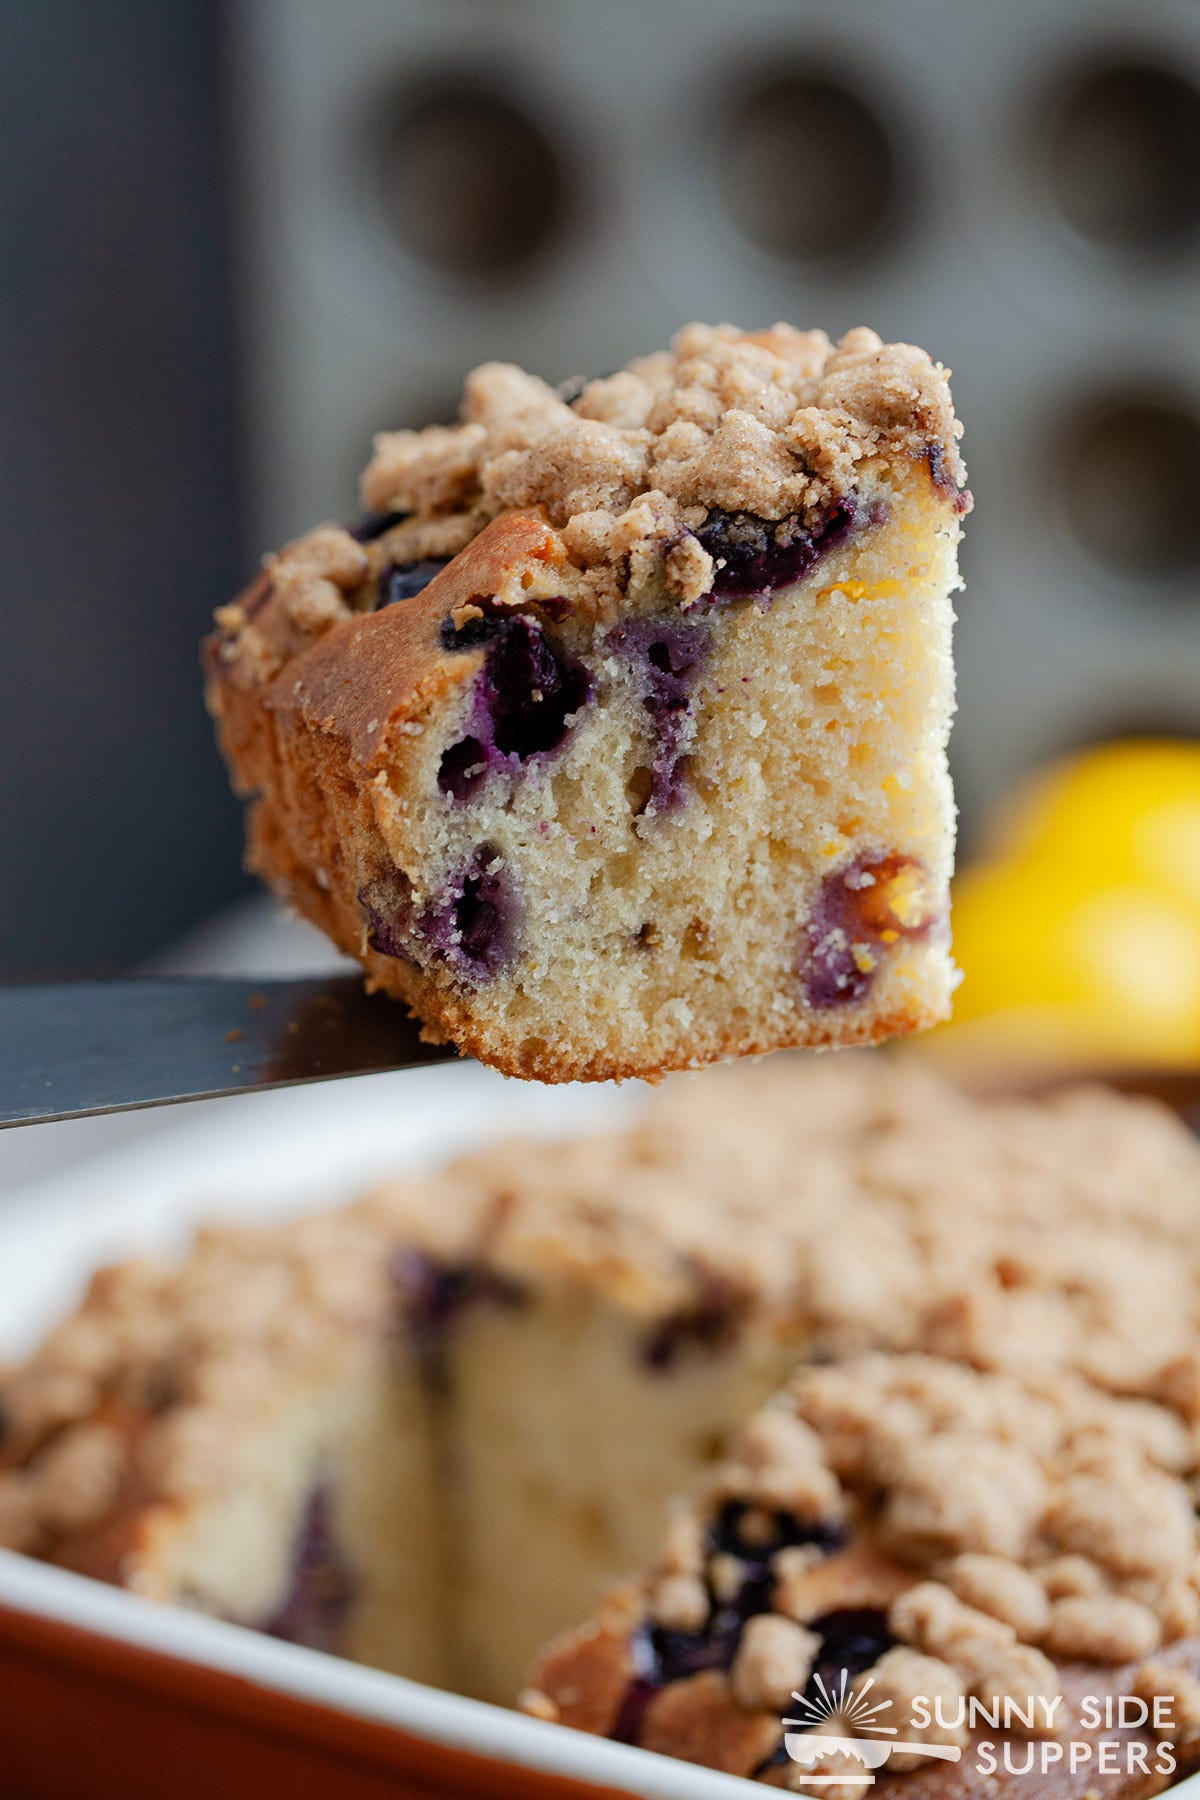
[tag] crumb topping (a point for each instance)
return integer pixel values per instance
(774, 1660)
(1160, 1678)
(780, 424)
(930, 1454)
(904, 1438)
(898, 1678)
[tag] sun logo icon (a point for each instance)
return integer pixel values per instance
(841, 1721)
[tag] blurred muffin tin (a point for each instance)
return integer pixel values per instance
(427, 185)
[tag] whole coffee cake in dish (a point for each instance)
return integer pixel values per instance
(911, 1565)
(428, 1430)
(612, 740)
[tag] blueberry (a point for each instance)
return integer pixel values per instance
(754, 556)
(463, 769)
(479, 920)
(681, 1653)
(434, 1295)
(669, 656)
(430, 1292)
(706, 1327)
(867, 904)
(661, 1655)
(525, 694)
(726, 1537)
(853, 1639)
(631, 1716)
(321, 1587)
(531, 691)
(475, 927)
(402, 581)
(372, 525)
(684, 1653)
(485, 628)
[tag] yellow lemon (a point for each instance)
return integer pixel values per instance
(1124, 811)
(1079, 938)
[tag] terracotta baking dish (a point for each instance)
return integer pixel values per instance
(105, 1695)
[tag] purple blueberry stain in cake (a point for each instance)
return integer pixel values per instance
(669, 656)
(941, 473)
(475, 927)
(463, 769)
(526, 697)
(860, 910)
(321, 1586)
(753, 556)
(708, 1325)
(434, 1296)
(405, 580)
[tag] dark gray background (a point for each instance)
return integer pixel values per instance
(118, 485)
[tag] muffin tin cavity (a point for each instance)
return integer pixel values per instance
(472, 184)
(1123, 162)
(808, 168)
(1130, 463)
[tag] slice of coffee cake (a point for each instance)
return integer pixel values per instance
(428, 1430)
(613, 739)
(903, 1551)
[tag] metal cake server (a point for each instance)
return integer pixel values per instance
(71, 1049)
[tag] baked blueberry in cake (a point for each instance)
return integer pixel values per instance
(970, 1561)
(612, 738)
(427, 1430)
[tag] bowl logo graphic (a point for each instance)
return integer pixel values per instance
(842, 1723)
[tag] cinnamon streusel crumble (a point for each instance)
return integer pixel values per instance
(612, 738)
(896, 1522)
